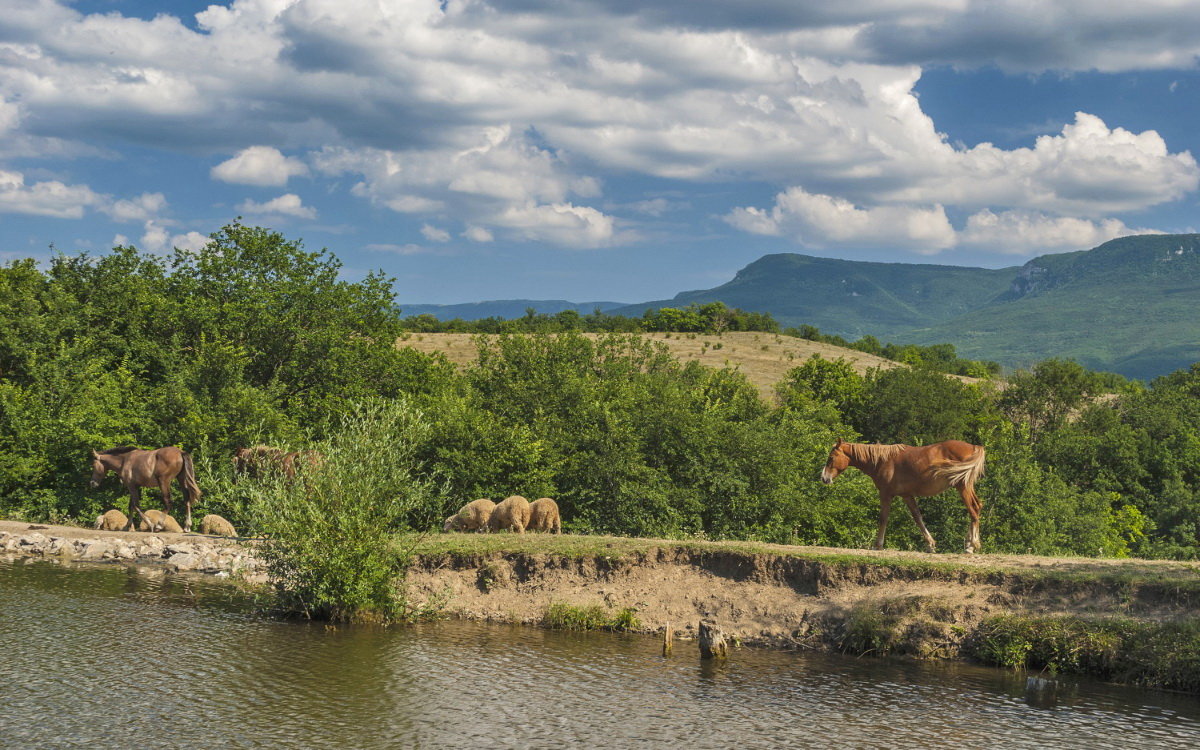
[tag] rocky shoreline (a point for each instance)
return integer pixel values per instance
(190, 553)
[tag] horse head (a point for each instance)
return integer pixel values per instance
(837, 463)
(98, 470)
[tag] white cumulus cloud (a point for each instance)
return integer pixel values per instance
(48, 198)
(1025, 232)
(288, 204)
(561, 224)
(140, 208)
(157, 237)
(434, 234)
(497, 180)
(512, 119)
(1088, 169)
(478, 234)
(263, 166)
(822, 220)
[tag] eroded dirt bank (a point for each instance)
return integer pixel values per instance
(784, 600)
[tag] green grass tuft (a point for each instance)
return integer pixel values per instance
(560, 616)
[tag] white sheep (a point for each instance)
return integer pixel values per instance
(543, 516)
(512, 513)
(156, 520)
(113, 520)
(216, 526)
(471, 517)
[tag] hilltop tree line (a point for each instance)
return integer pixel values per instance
(713, 317)
(254, 339)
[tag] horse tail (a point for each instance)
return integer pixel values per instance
(190, 487)
(965, 473)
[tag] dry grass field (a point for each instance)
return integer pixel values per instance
(763, 357)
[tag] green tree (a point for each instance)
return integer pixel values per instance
(312, 337)
(917, 406)
(1046, 395)
(831, 382)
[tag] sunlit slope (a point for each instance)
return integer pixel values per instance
(763, 357)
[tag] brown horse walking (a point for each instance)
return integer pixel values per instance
(908, 472)
(262, 460)
(139, 468)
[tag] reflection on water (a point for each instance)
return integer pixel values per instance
(103, 657)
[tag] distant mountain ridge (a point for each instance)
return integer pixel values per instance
(1128, 306)
(848, 298)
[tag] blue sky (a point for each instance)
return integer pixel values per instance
(598, 149)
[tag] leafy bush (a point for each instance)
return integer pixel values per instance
(328, 547)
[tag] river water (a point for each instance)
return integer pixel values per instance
(104, 657)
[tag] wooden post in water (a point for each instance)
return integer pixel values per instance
(712, 642)
(668, 637)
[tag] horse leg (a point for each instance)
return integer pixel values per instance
(135, 507)
(974, 508)
(164, 486)
(187, 512)
(911, 502)
(885, 507)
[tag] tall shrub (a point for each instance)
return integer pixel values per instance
(329, 544)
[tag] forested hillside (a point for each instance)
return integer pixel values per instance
(254, 339)
(849, 298)
(1128, 306)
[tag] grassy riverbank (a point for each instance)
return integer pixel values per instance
(1129, 621)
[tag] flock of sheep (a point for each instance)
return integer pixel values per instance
(514, 513)
(156, 521)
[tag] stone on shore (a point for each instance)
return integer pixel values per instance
(203, 557)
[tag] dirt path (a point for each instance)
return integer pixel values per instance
(78, 532)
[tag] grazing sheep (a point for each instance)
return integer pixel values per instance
(471, 517)
(217, 526)
(510, 514)
(543, 516)
(113, 520)
(156, 520)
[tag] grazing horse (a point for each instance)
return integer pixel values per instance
(908, 472)
(263, 460)
(139, 468)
